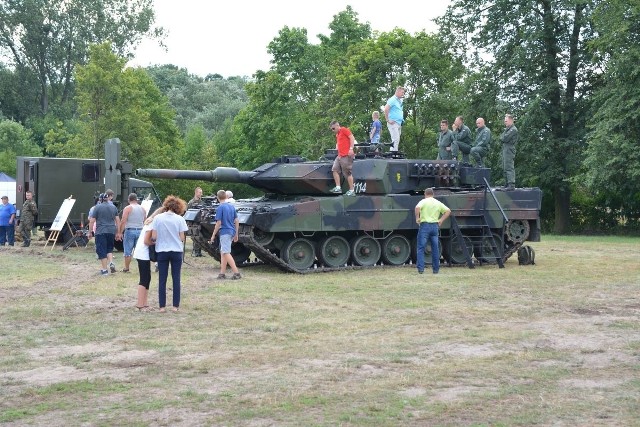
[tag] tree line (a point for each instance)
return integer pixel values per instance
(566, 69)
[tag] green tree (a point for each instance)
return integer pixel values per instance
(290, 106)
(422, 64)
(115, 101)
(15, 140)
(49, 37)
(612, 164)
(18, 93)
(536, 49)
(273, 124)
(350, 73)
(204, 102)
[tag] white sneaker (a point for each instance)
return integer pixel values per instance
(350, 193)
(337, 190)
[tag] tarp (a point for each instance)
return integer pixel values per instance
(6, 178)
(8, 187)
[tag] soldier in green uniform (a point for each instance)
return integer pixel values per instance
(509, 139)
(445, 138)
(461, 140)
(483, 142)
(27, 217)
(196, 200)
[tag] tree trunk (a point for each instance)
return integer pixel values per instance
(44, 98)
(562, 200)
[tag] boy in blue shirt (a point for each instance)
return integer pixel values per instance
(227, 224)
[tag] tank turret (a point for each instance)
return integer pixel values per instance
(300, 226)
(293, 176)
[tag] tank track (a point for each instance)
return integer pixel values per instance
(246, 237)
(266, 257)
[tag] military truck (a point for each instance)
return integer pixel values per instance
(54, 179)
(300, 226)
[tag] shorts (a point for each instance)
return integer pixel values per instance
(225, 243)
(343, 164)
(104, 245)
(130, 239)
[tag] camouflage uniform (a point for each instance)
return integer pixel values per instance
(444, 140)
(509, 139)
(461, 142)
(197, 250)
(27, 218)
(481, 149)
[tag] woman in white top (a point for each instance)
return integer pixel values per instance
(168, 233)
(141, 254)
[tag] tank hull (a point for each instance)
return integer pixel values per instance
(319, 233)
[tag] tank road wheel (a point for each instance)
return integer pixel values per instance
(263, 237)
(484, 252)
(457, 253)
(396, 249)
(518, 230)
(240, 253)
(334, 251)
(299, 253)
(427, 250)
(365, 250)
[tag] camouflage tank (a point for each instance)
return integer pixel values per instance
(299, 226)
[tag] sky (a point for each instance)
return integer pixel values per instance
(231, 39)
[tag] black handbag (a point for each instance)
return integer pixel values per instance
(153, 256)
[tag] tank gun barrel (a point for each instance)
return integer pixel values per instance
(219, 174)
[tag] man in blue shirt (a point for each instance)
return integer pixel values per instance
(227, 224)
(394, 116)
(7, 221)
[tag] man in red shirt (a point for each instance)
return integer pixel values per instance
(344, 160)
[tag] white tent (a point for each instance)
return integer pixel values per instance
(8, 187)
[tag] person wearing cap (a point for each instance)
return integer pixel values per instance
(7, 222)
(105, 216)
(196, 250)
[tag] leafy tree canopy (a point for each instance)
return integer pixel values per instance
(536, 54)
(15, 141)
(50, 37)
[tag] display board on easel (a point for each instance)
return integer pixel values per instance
(60, 221)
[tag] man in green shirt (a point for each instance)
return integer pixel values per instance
(445, 138)
(430, 214)
(461, 140)
(483, 142)
(509, 139)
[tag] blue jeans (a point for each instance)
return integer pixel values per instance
(428, 231)
(7, 234)
(131, 236)
(164, 259)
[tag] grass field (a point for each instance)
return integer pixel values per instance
(557, 343)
